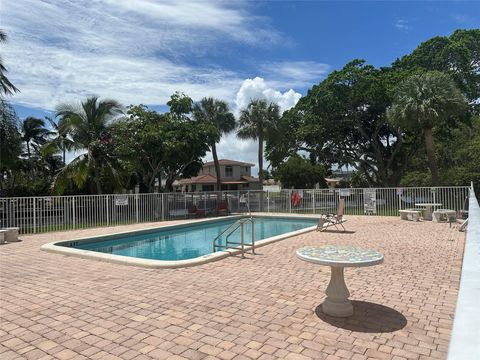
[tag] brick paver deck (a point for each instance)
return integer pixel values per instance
(262, 307)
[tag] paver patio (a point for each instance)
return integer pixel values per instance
(262, 307)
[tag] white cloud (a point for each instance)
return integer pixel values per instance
(257, 88)
(402, 24)
(141, 52)
(296, 73)
(131, 51)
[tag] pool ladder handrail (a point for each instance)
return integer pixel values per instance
(234, 227)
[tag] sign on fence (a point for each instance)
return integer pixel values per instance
(369, 201)
(344, 192)
(121, 200)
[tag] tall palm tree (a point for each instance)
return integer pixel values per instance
(60, 142)
(256, 120)
(217, 114)
(34, 133)
(425, 101)
(88, 126)
(6, 87)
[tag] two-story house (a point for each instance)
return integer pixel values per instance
(234, 175)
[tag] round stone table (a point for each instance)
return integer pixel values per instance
(338, 257)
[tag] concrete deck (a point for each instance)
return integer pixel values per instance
(264, 307)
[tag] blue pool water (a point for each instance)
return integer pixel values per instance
(192, 241)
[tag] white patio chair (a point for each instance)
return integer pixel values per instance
(327, 220)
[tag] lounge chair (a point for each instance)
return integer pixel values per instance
(327, 220)
(222, 208)
(194, 211)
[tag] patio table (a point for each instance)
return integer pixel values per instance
(428, 209)
(338, 257)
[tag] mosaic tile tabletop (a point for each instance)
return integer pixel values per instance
(342, 256)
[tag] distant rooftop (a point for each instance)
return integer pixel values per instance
(229, 162)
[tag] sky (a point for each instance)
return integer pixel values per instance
(143, 51)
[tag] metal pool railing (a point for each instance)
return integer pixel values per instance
(57, 213)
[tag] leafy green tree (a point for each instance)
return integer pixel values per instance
(186, 143)
(168, 146)
(459, 162)
(299, 173)
(89, 127)
(180, 104)
(10, 138)
(6, 87)
(342, 121)
(139, 142)
(457, 55)
(425, 101)
(216, 114)
(34, 134)
(256, 121)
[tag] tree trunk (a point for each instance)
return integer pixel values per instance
(98, 185)
(430, 148)
(97, 180)
(63, 157)
(169, 182)
(217, 167)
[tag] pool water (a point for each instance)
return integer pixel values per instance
(192, 241)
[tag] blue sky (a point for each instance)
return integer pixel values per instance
(142, 51)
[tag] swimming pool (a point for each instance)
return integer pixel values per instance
(177, 244)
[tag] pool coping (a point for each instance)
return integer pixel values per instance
(54, 247)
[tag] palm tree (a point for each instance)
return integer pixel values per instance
(256, 120)
(61, 141)
(217, 114)
(88, 126)
(34, 133)
(423, 102)
(6, 87)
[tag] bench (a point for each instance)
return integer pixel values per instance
(9, 234)
(444, 215)
(410, 214)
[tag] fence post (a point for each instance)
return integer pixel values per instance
(136, 207)
(313, 201)
(108, 210)
(163, 207)
(238, 201)
(34, 215)
(289, 199)
(74, 218)
(268, 201)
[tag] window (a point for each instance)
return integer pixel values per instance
(207, 187)
(228, 171)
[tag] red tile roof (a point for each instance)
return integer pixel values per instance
(202, 179)
(228, 162)
(250, 178)
(210, 179)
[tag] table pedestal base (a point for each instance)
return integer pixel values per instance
(337, 303)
